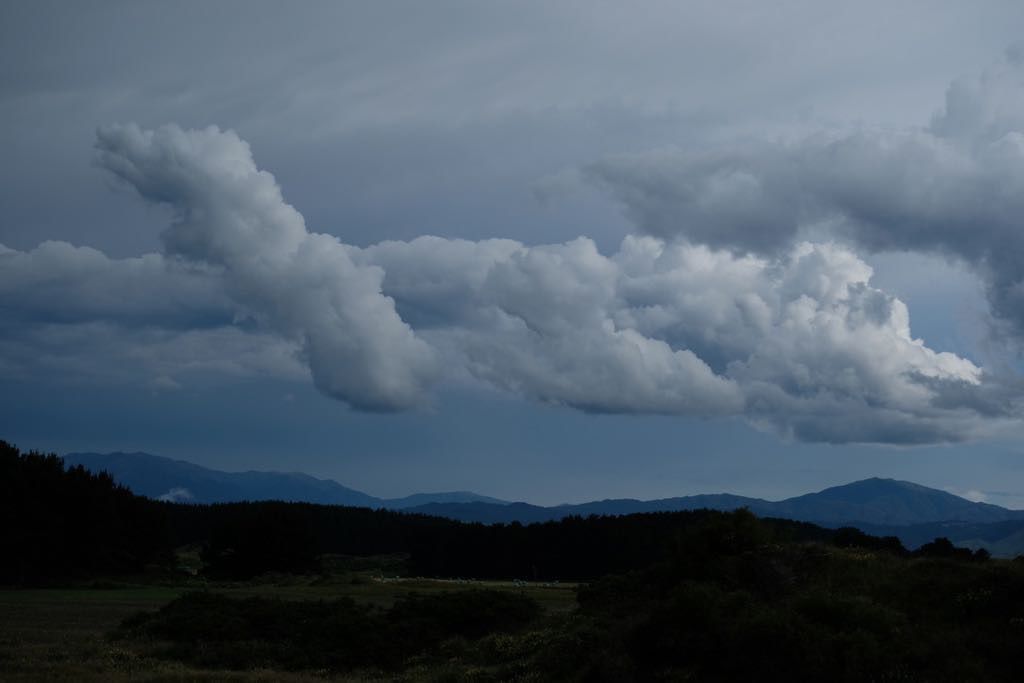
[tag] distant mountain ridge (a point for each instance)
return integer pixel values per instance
(881, 502)
(180, 481)
(888, 501)
(884, 507)
(888, 507)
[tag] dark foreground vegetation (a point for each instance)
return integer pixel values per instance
(211, 630)
(669, 596)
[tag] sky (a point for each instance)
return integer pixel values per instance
(551, 251)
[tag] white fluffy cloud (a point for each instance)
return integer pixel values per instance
(801, 341)
(793, 337)
(230, 215)
(541, 321)
(954, 187)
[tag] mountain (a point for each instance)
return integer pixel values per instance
(886, 507)
(489, 513)
(888, 501)
(524, 513)
(881, 502)
(883, 507)
(179, 481)
(417, 499)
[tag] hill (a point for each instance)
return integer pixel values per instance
(915, 514)
(888, 501)
(879, 502)
(884, 507)
(180, 481)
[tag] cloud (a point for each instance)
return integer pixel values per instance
(954, 187)
(165, 383)
(230, 215)
(105, 351)
(176, 495)
(540, 321)
(790, 335)
(799, 342)
(61, 283)
(975, 496)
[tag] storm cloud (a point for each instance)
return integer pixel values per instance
(785, 331)
(953, 187)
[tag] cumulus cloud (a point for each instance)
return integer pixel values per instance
(954, 187)
(800, 342)
(231, 215)
(540, 321)
(789, 333)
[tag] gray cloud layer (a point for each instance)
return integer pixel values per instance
(954, 187)
(792, 336)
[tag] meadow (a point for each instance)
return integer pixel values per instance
(69, 633)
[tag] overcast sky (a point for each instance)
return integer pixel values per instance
(549, 251)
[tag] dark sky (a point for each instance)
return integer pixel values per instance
(545, 251)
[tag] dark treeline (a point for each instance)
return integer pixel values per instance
(62, 523)
(65, 523)
(59, 523)
(244, 539)
(240, 540)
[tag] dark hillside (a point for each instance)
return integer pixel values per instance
(71, 522)
(60, 523)
(801, 612)
(157, 477)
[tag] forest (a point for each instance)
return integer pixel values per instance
(327, 591)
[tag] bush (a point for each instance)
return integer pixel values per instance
(209, 629)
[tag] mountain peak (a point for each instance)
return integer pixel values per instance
(878, 485)
(888, 501)
(178, 480)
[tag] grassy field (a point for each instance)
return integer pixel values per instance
(62, 633)
(59, 634)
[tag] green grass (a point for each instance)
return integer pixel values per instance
(59, 634)
(62, 633)
(370, 590)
